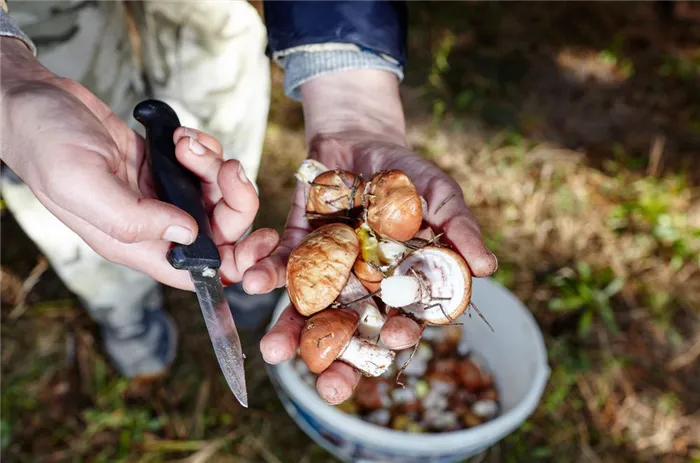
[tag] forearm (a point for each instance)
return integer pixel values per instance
(344, 61)
(356, 100)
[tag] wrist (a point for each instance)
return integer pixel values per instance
(19, 66)
(352, 101)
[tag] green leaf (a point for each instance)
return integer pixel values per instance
(584, 323)
(606, 313)
(584, 270)
(614, 287)
(565, 305)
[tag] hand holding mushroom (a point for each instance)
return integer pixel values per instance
(445, 212)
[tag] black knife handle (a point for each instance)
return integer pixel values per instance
(176, 185)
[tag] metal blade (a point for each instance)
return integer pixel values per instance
(222, 330)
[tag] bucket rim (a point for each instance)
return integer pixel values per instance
(355, 428)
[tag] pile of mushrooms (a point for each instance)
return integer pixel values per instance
(445, 388)
(363, 258)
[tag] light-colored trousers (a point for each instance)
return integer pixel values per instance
(206, 59)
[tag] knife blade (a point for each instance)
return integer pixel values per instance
(178, 186)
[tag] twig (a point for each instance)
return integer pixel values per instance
(476, 309)
(27, 286)
(202, 399)
(442, 204)
(366, 296)
(207, 450)
(656, 155)
(687, 357)
(410, 357)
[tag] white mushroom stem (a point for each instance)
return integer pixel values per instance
(390, 251)
(401, 290)
(485, 408)
(432, 284)
(371, 319)
(369, 358)
(309, 170)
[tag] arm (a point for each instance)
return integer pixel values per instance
(86, 166)
(344, 62)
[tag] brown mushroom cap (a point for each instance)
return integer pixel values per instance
(394, 208)
(447, 280)
(335, 191)
(319, 267)
(369, 275)
(324, 337)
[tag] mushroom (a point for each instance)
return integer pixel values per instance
(369, 275)
(485, 408)
(390, 252)
(393, 207)
(309, 170)
(373, 393)
(328, 336)
(334, 192)
(319, 267)
(470, 375)
(355, 297)
(433, 284)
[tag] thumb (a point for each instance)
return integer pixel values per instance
(104, 201)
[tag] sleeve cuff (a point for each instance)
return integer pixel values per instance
(303, 63)
(8, 28)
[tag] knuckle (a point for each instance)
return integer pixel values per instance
(125, 231)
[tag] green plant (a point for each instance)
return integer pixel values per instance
(588, 292)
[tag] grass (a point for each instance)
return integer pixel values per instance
(586, 190)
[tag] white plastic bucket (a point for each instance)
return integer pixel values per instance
(515, 353)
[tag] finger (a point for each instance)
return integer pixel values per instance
(399, 332)
(270, 273)
(204, 138)
(117, 210)
(236, 260)
(280, 343)
(147, 256)
(234, 215)
(463, 234)
(199, 159)
(335, 385)
(205, 164)
(447, 211)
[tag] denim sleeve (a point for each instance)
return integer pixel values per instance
(312, 38)
(8, 28)
(301, 66)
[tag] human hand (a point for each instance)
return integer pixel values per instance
(88, 169)
(355, 122)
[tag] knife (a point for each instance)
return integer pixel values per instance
(178, 186)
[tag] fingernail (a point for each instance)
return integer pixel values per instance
(241, 173)
(196, 147)
(178, 234)
(496, 259)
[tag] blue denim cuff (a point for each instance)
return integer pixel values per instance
(304, 63)
(8, 28)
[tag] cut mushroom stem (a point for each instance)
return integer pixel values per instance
(433, 284)
(401, 290)
(369, 358)
(354, 296)
(328, 336)
(309, 170)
